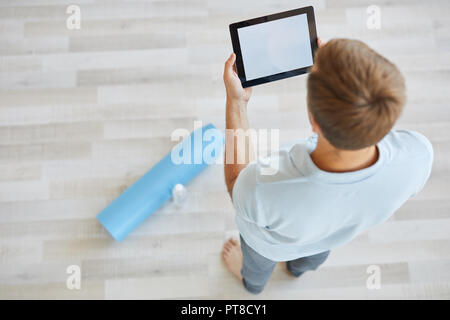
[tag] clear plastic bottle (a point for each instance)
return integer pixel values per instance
(179, 195)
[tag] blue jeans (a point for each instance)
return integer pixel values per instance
(256, 269)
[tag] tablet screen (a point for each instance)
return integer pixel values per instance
(275, 46)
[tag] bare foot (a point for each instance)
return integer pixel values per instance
(232, 255)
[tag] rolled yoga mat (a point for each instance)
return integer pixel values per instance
(154, 188)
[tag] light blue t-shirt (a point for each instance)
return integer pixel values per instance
(302, 210)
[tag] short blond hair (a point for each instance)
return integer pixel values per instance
(355, 95)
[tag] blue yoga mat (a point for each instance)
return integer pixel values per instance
(154, 188)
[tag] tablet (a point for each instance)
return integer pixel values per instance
(274, 47)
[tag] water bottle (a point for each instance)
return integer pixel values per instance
(179, 195)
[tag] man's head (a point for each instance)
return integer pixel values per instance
(354, 94)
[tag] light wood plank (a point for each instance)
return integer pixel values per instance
(84, 113)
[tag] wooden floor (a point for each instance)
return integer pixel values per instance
(84, 113)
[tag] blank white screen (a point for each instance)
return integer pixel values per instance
(276, 46)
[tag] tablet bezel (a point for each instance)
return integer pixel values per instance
(276, 16)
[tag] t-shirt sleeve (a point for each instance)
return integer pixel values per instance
(244, 193)
(428, 156)
(252, 191)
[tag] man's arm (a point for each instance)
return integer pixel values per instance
(236, 118)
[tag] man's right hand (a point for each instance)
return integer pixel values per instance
(235, 92)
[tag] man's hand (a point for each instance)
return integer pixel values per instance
(320, 43)
(235, 92)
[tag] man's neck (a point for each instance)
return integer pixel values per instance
(328, 158)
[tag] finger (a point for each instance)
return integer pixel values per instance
(320, 43)
(229, 64)
(232, 58)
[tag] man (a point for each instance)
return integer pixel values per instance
(354, 173)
